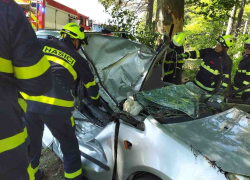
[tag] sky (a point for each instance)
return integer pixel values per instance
(91, 8)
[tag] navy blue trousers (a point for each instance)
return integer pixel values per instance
(63, 129)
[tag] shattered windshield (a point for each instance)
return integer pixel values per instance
(173, 100)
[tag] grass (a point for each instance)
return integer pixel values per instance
(52, 165)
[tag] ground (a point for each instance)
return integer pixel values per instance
(52, 165)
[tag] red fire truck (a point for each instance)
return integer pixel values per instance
(49, 14)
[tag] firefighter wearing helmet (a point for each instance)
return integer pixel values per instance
(173, 66)
(242, 77)
(55, 107)
(209, 74)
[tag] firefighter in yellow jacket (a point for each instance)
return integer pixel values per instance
(23, 67)
(55, 107)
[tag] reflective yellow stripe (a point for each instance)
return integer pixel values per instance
(72, 121)
(215, 72)
(168, 62)
(36, 169)
(169, 72)
(213, 84)
(31, 173)
(189, 54)
(25, 133)
(23, 104)
(73, 175)
(236, 88)
(32, 71)
(242, 71)
(248, 73)
(60, 54)
(97, 97)
(49, 100)
(90, 84)
(13, 141)
(248, 90)
(197, 54)
(204, 87)
(6, 66)
(180, 61)
(64, 64)
(246, 83)
(178, 68)
(226, 75)
(225, 84)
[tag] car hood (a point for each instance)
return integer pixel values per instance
(223, 138)
(122, 64)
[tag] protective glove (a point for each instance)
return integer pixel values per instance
(182, 56)
(185, 55)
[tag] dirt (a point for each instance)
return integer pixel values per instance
(52, 165)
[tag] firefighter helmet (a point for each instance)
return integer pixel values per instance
(247, 41)
(73, 30)
(179, 39)
(227, 40)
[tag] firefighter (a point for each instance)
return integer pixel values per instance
(55, 107)
(213, 62)
(242, 77)
(23, 67)
(173, 66)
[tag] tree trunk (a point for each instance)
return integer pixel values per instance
(150, 9)
(169, 12)
(231, 21)
(245, 28)
(240, 15)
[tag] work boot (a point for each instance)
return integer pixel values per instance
(39, 174)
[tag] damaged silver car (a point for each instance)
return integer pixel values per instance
(146, 130)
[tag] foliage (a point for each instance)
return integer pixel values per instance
(215, 9)
(124, 20)
(200, 32)
(236, 52)
(205, 21)
(147, 35)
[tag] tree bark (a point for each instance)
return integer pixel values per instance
(150, 9)
(240, 15)
(169, 12)
(231, 21)
(245, 28)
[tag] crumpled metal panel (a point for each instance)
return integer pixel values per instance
(85, 133)
(184, 98)
(223, 138)
(121, 63)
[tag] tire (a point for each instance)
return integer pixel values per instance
(147, 177)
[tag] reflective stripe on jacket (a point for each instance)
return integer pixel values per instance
(242, 77)
(172, 66)
(208, 76)
(22, 60)
(67, 65)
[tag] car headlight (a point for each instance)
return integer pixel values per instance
(231, 176)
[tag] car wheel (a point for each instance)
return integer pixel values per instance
(147, 177)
